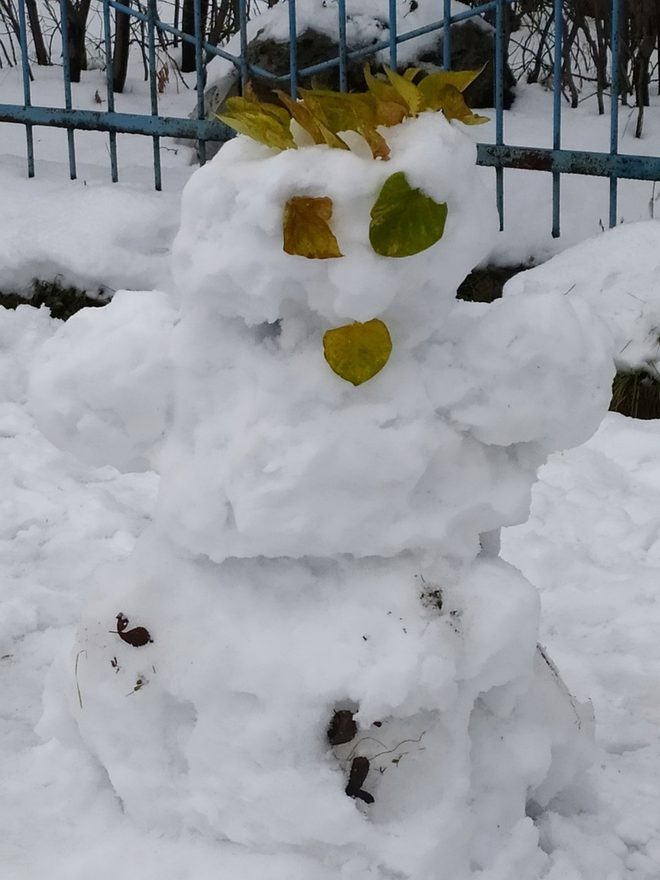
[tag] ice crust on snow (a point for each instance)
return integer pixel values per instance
(305, 528)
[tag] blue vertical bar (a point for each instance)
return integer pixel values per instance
(393, 30)
(153, 83)
(293, 49)
(343, 49)
(66, 71)
(556, 117)
(109, 77)
(27, 99)
(199, 67)
(446, 36)
(242, 27)
(499, 104)
(614, 106)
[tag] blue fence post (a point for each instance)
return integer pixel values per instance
(343, 48)
(614, 106)
(66, 74)
(499, 105)
(242, 29)
(556, 115)
(109, 88)
(200, 77)
(27, 99)
(293, 49)
(393, 28)
(152, 14)
(446, 35)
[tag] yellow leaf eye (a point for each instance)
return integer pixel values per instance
(356, 352)
(306, 228)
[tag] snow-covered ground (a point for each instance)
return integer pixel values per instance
(591, 545)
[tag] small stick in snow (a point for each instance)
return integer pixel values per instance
(75, 672)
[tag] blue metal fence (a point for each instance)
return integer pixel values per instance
(499, 155)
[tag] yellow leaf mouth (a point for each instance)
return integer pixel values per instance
(357, 352)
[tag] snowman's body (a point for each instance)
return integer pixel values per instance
(321, 547)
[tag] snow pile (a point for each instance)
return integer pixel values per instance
(321, 548)
(623, 291)
(109, 237)
(48, 504)
(367, 22)
(101, 385)
(592, 546)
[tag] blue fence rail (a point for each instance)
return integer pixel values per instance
(499, 155)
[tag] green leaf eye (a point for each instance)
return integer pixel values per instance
(405, 221)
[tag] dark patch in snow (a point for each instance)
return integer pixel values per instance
(342, 728)
(359, 772)
(137, 637)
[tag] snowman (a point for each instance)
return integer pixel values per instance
(314, 652)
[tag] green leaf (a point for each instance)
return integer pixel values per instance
(405, 221)
(306, 228)
(356, 352)
(269, 124)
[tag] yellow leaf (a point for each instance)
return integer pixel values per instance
(325, 126)
(348, 112)
(339, 110)
(386, 94)
(389, 113)
(306, 228)
(378, 145)
(249, 93)
(356, 352)
(267, 123)
(432, 84)
(303, 116)
(452, 104)
(407, 89)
